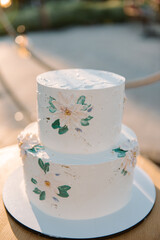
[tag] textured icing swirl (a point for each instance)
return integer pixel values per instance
(80, 79)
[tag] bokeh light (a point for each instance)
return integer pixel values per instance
(5, 3)
(18, 116)
(21, 40)
(21, 29)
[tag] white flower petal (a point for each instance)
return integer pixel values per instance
(64, 120)
(61, 99)
(57, 114)
(80, 115)
(73, 119)
(28, 141)
(51, 190)
(57, 104)
(55, 189)
(70, 123)
(71, 100)
(76, 122)
(77, 108)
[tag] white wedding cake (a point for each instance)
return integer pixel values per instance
(79, 159)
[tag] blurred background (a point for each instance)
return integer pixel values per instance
(117, 36)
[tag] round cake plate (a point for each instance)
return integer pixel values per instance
(18, 205)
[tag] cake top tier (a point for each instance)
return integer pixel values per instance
(80, 79)
(79, 110)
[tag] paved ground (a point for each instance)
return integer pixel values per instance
(119, 48)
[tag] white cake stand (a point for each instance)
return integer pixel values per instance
(18, 205)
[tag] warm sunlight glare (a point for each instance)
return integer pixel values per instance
(22, 42)
(5, 3)
(23, 52)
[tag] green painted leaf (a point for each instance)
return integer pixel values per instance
(39, 147)
(63, 191)
(121, 152)
(51, 99)
(81, 100)
(84, 122)
(33, 181)
(56, 124)
(65, 187)
(124, 172)
(46, 167)
(85, 107)
(41, 163)
(36, 148)
(52, 109)
(37, 191)
(63, 130)
(42, 195)
(63, 194)
(88, 118)
(32, 150)
(121, 155)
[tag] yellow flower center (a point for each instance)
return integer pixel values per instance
(134, 154)
(20, 144)
(47, 183)
(67, 112)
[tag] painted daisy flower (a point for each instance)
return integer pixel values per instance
(129, 162)
(27, 141)
(69, 113)
(47, 186)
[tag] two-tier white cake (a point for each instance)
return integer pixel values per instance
(79, 159)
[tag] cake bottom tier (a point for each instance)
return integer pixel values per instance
(78, 186)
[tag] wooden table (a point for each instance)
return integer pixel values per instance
(148, 229)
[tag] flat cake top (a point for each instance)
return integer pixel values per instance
(80, 79)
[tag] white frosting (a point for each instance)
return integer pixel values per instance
(80, 79)
(86, 104)
(127, 141)
(27, 140)
(97, 184)
(80, 112)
